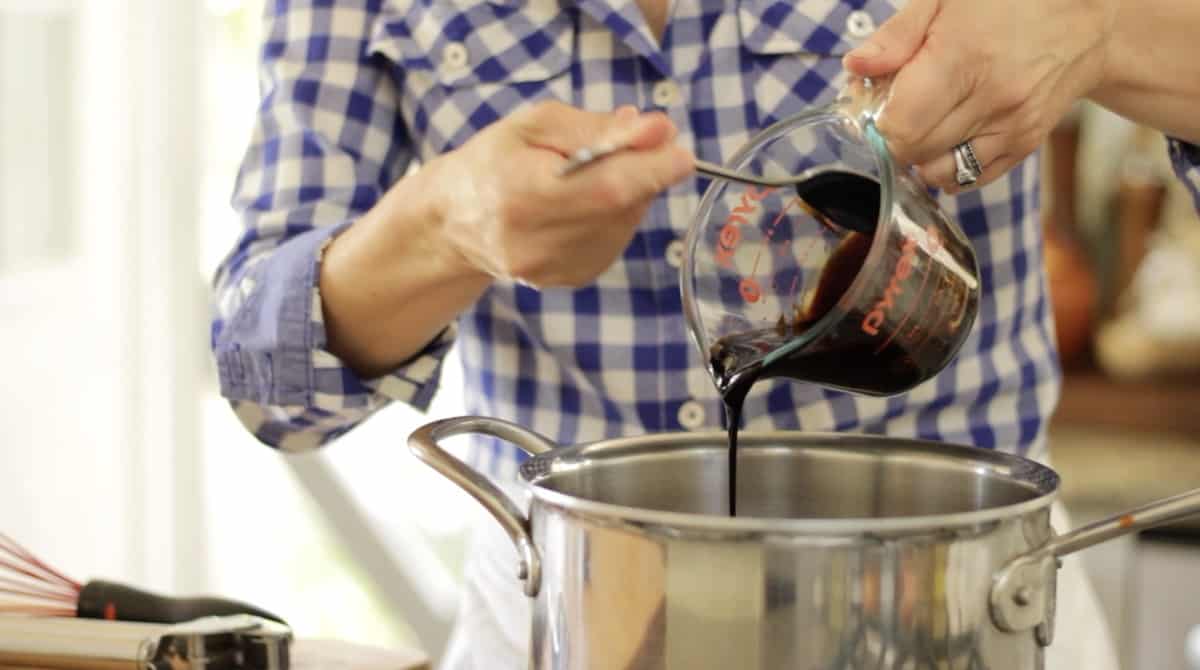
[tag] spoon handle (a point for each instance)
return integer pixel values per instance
(588, 155)
(718, 172)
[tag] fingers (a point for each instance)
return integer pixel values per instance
(625, 179)
(896, 41)
(967, 120)
(994, 155)
(563, 129)
(626, 113)
(557, 126)
(638, 133)
(929, 91)
(648, 162)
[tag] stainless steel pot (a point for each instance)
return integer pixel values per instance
(854, 552)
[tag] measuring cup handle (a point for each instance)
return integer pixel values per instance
(424, 444)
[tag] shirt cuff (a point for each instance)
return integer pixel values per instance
(1186, 159)
(272, 350)
(415, 381)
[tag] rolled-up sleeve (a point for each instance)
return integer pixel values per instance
(328, 141)
(1186, 159)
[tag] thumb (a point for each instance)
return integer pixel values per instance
(896, 41)
(564, 129)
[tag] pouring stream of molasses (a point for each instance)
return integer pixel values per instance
(843, 201)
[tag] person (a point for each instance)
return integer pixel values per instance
(355, 274)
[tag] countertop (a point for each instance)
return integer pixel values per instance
(306, 655)
(332, 655)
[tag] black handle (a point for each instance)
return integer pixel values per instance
(108, 600)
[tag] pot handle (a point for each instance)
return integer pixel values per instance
(424, 443)
(1147, 516)
(1023, 593)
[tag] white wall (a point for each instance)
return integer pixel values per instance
(96, 339)
(67, 489)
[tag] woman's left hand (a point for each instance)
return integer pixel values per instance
(999, 74)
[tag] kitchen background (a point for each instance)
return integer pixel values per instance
(121, 124)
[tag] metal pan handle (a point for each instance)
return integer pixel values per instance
(424, 443)
(1023, 593)
(1148, 516)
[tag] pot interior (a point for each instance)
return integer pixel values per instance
(792, 476)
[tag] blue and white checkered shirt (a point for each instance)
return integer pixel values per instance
(355, 91)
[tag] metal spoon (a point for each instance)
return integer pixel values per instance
(588, 155)
(843, 198)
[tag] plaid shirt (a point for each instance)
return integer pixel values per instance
(355, 91)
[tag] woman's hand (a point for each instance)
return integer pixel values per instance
(1000, 74)
(506, 211)
(495, 208)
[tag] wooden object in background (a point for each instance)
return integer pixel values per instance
(1094, 400)
(1074, 288)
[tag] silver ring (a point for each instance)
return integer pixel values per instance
(968, 169)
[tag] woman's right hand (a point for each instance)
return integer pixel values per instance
(506, 211)
(495, 208)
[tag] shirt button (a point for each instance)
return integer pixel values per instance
(691, 415)
(675, 254)
(665, 93)
(860, 24)
(455, 56)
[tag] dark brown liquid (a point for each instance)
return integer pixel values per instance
(851, 203)
(848, 200)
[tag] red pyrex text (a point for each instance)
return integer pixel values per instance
(875, 319)
(730, 236)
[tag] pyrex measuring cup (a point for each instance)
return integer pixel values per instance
(872, 291)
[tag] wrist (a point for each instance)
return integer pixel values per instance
(389, 283)
(1110, 57)
(435, 185)
(400, 243)
(397, 253)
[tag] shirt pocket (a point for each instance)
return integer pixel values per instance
(462, 64)
(796, 48)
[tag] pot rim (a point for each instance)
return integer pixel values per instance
(1041, 477)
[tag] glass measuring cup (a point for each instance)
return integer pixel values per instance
(856, 281)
